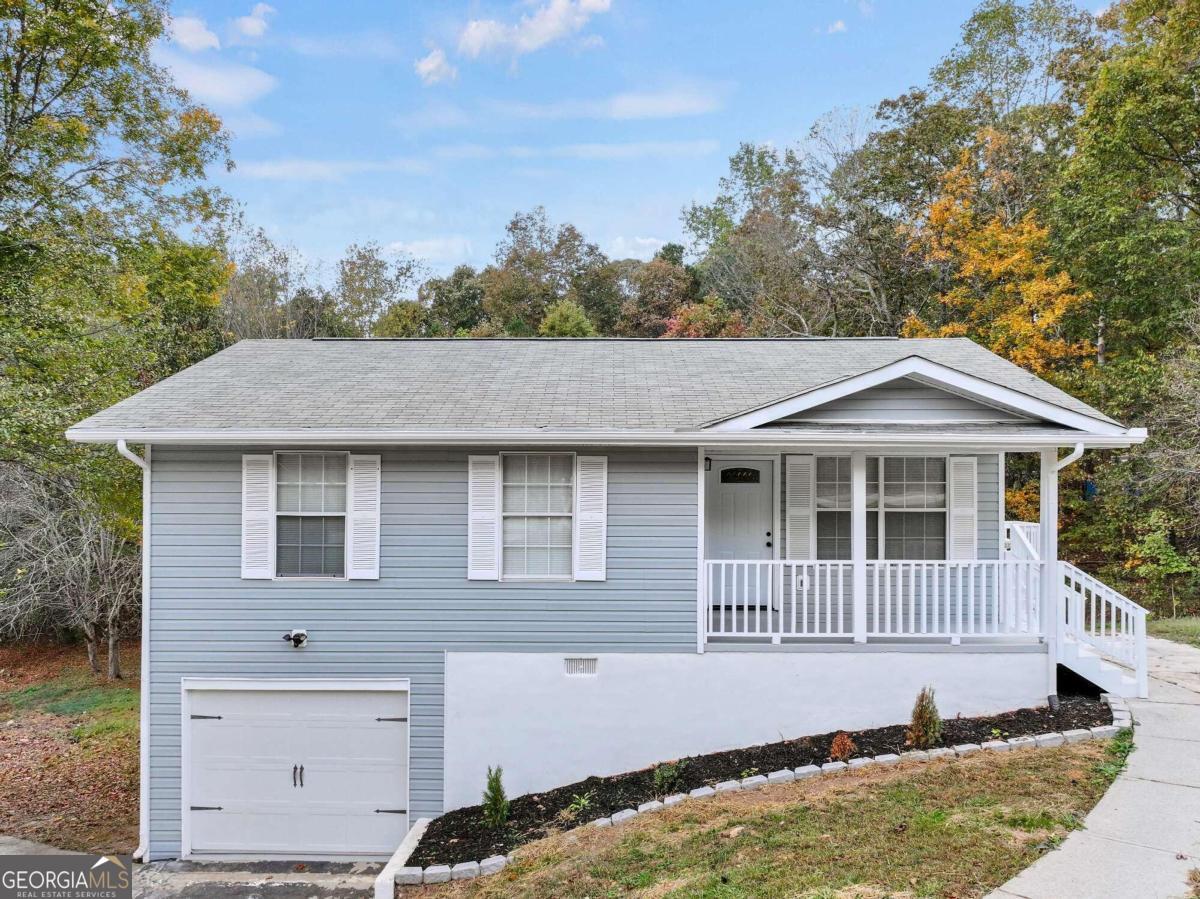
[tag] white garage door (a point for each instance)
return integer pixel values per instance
(296, 772)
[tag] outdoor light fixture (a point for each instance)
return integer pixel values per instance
(297, 637)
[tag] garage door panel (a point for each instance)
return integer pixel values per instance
(247, 747)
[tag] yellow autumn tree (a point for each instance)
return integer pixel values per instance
(1000, 286)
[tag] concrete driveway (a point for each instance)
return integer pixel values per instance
(268, 880)
(1143, 838)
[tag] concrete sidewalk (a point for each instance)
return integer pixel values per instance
(1143, 838)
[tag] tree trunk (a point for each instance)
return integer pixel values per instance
(89, 634)
(114, 655)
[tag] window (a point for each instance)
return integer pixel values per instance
(537, 507)
(913, 508)
(833, 507)
(310, 515)
(917, 486)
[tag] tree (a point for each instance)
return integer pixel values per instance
(659, 287)
(1000, 285)
(63, 567)
(454, 303)
(406, 318)
(709, 317)
(566, 318)
(369, 282)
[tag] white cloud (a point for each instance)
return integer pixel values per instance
(434, 117)
(220, 84)
(255, 24)
(836, 27)
(296, 169)
(374, 44)
(664, 104)
(553, 21)
(191, 33)
(434, 68)
(669, 149)
(453, 248)
(866, 8)
(250, 124)
(634, 247)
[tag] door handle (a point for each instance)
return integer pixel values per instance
(768, 543)
(293, 775)
(301, 776)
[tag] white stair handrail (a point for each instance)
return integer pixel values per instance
(1108, 621)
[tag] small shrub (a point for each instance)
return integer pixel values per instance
(747, 772)
(668, 776)
(495, 803)
(842, 747)
(925, 729)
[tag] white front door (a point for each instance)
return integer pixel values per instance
(739, 510)
(297, 773)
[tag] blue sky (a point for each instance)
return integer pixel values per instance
(425, 126)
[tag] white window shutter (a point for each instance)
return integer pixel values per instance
(800, 500)
(258, 516)
(483, 518)
(591, 517)
(362, 514)
(963, 497)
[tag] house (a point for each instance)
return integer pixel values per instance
(374, 568)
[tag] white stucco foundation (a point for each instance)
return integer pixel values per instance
(521, 711)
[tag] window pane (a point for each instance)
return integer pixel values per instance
(335, 468)
(288, 468)
(537, 561)
(310, 498)
(560, 469)
(514, 469)
(826, 468)
(287, 560)
(312, 468)
(560, 499)
(539, 469)
(514, 561)
(514, 531)
(514, 500)
(289, 498)
(537, 531)
(935, 469)
(560, 531)
(288, 530)
(914, 469)
(335, 498)
(537, 498)
(559, 562)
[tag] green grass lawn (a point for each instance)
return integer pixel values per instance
(950, 829)
(1181, 630)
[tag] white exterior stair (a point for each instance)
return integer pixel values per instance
(1101, 633)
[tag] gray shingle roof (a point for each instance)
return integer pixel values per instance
(448, 385)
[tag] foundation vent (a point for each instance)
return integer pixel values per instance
(579, 667)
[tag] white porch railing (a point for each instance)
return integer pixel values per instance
(797, 600)
(777, 599)
(1021, 540)
(979, 598)
(1111, 623)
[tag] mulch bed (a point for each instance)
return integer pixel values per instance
(461, 836)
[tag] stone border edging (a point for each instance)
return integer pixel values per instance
(1122, 718)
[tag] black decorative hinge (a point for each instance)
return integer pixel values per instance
(206, 808)
(207, 717)
(391, 811)
(392, 719)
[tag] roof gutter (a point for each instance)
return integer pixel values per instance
(543, 437)
(143, 847)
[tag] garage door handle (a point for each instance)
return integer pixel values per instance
(205, 808)
(293, 775)
(301, 775)
(391, 811)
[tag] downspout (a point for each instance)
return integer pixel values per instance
(1070, 458)
(143, 847)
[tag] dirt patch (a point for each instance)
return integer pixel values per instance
(68, 750)
(461, 835)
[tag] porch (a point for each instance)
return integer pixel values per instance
(800, 549)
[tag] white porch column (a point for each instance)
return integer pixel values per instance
(858, 541)
(1048, 550)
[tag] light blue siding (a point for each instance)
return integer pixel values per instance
(902, 400)
(206, 620)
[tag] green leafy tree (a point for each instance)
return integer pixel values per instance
(566, 318)
(369, 282)
(406, 318)
(455, 303)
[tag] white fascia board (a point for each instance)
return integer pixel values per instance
(343, 437)
(935, 375)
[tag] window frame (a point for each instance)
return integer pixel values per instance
(275, 513)
(570, 516)
(881, 507)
